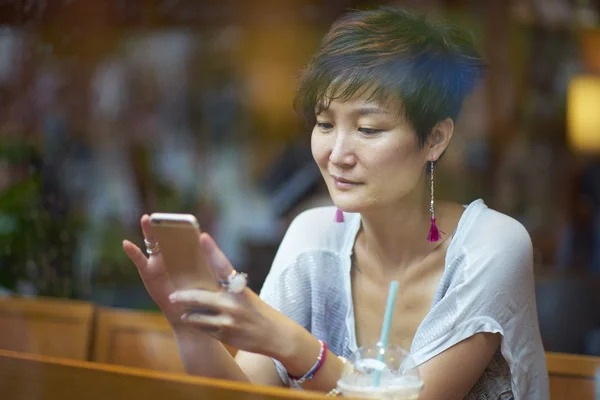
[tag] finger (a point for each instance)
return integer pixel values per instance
(213, 322)
(135, 255)
(217, 260)
(147, 228)
(202, 299)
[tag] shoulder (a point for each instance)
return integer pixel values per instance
(315, 229)
(495, 244)
(310, 260)
(487, 231)
(314, 233)
(323, 217)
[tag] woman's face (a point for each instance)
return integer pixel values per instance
(368, 154)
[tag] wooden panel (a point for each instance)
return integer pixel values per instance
(26, 376)
(135, 339)
(589, 42)
(572, 376)
(53, 327)
(572, 364)
(569, 388)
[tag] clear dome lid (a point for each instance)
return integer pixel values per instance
(373, 371)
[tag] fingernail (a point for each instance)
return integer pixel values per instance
(172, 297)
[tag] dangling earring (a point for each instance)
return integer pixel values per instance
(434, 233)
(339, 216)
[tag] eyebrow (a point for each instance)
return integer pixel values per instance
(365, 110)
(369, 110)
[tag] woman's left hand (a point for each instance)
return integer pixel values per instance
(240, 320)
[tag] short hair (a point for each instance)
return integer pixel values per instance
(429, 67)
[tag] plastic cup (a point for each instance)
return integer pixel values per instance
(399, 377)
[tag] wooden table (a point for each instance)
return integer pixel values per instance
(27, 376)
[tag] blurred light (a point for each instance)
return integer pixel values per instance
(583, 114)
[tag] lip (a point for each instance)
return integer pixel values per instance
(344, 183)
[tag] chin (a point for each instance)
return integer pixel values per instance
(352, 201)
(349, 206)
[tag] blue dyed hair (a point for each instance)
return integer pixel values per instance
(429, 67)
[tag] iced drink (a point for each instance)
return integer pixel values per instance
(399, 377)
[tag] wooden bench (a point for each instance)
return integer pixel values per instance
(135, 339)
(30, 376)
(47, 326)
(68, 329)
(572, 376)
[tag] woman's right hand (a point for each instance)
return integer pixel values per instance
(153, 272)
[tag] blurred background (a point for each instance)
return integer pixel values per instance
(114, 108)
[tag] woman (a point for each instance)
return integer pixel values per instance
(382, 93)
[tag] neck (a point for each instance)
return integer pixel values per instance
(396, 236)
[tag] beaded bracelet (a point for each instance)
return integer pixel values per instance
(315, 368)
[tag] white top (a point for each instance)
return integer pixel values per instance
(487, 286)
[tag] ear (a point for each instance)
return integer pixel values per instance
(440, 138)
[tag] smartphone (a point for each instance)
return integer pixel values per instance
(178, 236)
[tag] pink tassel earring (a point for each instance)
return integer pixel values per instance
(434, 233)
(339, 216)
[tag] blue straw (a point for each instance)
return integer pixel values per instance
(385, 330)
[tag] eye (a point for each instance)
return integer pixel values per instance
(370, 131)
(324, 126)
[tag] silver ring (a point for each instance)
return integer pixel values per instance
(236, 282)
(151, 248)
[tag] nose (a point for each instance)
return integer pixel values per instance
(342, 151)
